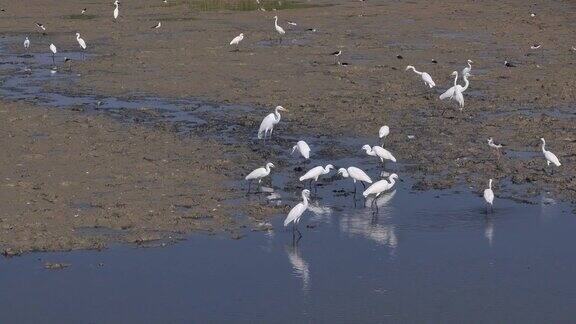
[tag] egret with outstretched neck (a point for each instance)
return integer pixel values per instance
(456, 92)
(279, 29)
(296, 212)
(259, 174)
(269, 121)
(355, 174)
(302, 148)
(379, 187)
(116, 10)
(380, 152)
(467, 69)
(82, 43)
(314, 173)
(425, 76)
(489, 197)
(550, 157)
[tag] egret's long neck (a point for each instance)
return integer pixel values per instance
(543, 146)
(469, 66)
(267, 168)
(466, 83)
(276, 21)
(326, 170)
(369, 151)
(455, 78)
(305, 201)
(392, 182)
(490, 184)
(278, 117)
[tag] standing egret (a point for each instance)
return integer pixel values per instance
(296, 212)
(279, 29)
(467, 69)
(116, 10)
(26, 44)
(380, 152)
(489, 196)
(269, 121)
(302, 148)
(379, 187)
(236, 41)
(550, 157)
(314, 173)
(455, 92)
(356, 174)
(82, 43)
(54, 51)
(384, 131)
(425, 76)
(259, 174)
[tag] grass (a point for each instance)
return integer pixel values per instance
(247, 5)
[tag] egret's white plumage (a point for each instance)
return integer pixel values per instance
(489, 194)
(467, 69)
(316, 172)
(355, 173)
(550, 157)
(279, 29)
(492, 144)
(116, 10)
(380, 152)
(237, 39)
(381, 186)
(456, 92)
(269, 121)
(425, 76)
(53, 49)
(302, 148)
(26, 43)
(260, 173)
(384, 131)
(81, 41)
(296, 212)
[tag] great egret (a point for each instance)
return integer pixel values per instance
(455, 92)
(314, 173)
(279, 29)
(489, 196)
(116, 10)
(269, 121)
(384, 131)
(425, 76)
(379, 187)
(82, 43)
(296, 212)
(54, 51)
(550, 157)
(380, 152)
(356, 174)
(302, 148)
(467, 69)
(259, 174)
(236, 41)
(26, 44)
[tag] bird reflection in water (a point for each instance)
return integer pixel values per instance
(489, 230)
(299, 265)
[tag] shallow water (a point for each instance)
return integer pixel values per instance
(430, 256)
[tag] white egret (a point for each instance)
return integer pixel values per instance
(489, 196)
(535, 46)
(54, 51)
(116, 10)
(356, 174)
(296, 212)
(380, 152)
(279, 29)
(380, 186)
(269, 121)
(467, 69)
(236, 41)
(314, 173)
(82, 43)
(302, 148)
(550, 157)
(259, 174)
(425, 76)
(455, 92)
(26, 44)
(384, 131)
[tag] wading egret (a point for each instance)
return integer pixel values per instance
(379, 187)
(356, 174)
(26, 43)
(82, 43)
(302, 148)
(456, 92)
(269, 121)
(467, 69)
(259, 174)
(314, 173)
(116, 10)
(384, 131)
(380, 152)
(550, 157)
(279, 29)
(425, 76)
(296, 212)
(54, 51)
(489, 196)
(236, 41)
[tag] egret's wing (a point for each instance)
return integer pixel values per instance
(359, 174)
(448, 94)
(459, 97)
(294, 213)
(428, 79)
(304, 149)
(266, 124)
(256, 174)
(311, 174)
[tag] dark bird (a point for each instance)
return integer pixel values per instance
(158, 25)
(84, 11)
(434, 61)
(399, 57)
(337, 53)
(536, 46)
(509, 64)
(39, 25)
